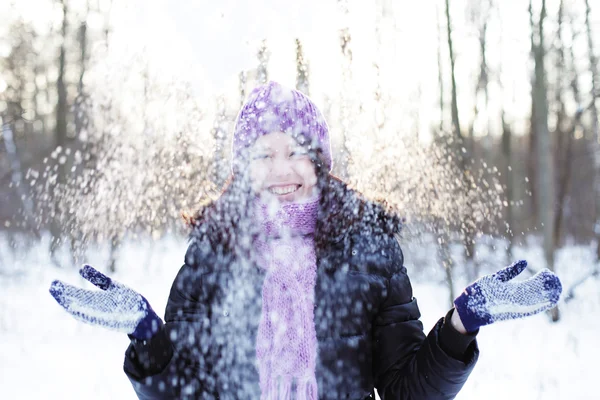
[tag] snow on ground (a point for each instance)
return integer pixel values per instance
(47, 354)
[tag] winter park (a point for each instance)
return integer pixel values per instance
(334, 199)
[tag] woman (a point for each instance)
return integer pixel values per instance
(294, 286)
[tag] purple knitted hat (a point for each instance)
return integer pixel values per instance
(273, 107)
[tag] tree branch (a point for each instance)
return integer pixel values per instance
(591, 274)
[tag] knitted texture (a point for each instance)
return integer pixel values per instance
(286, 345)
(276, 108)
(496, 297)
(115, 307)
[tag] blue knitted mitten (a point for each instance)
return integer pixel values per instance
(115, 307)
(496, 297)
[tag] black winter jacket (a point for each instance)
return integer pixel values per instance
(366, 318)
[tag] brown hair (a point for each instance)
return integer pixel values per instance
(341, 210)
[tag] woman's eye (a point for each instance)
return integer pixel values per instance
(298, 153)
(261, 157)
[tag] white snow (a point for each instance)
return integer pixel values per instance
(47, 354)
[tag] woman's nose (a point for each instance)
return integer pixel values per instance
(281, 166)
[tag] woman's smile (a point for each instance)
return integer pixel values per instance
(282, 190)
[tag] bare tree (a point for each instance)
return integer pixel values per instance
(380, 95)
(507, 162)
(533, 133)
(545, 164)
(444, 255)
(480, 15)
(17, 120)
(454, 105)
(219, 133)
(345, 103)
(509, 181)
(17, 178)
(262, 72)
(302, 69)
(61, 137)
(563, 133)
(440, 71)
(79, 108)
(242, 86)
(595, 128)
(460, 153)
(82, 36)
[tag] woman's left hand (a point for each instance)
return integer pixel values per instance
(496, 297)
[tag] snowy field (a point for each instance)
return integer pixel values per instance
(46, 354)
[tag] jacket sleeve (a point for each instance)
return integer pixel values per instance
(170, 364)
(408, 364)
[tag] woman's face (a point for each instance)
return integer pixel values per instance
(281, 168)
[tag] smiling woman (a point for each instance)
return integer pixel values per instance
(294, 286)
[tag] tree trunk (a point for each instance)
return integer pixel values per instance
(380, 109)
(345, 104)
(563, 139)
(262, 72)
(107, 23)
(508, 175)
(220, 169)
(445, 258)
(544, 149)
(16, 172)
(480, 87)
(532, 150)
(467, 231)
(302, 70)
(483, 85)
(595, 123)
(61, 138)
(80, 112)
(440, 73)
(564, 178)
(83, 49)
(115, 243)
(242, 87)
(454, 106)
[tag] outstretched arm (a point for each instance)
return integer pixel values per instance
(169, 365)
(414, 366)
(407, 363)
(119, 308)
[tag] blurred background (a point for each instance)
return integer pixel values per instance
(477, 120)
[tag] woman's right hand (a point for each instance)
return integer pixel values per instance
(115, 307)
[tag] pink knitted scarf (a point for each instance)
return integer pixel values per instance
(286, 344)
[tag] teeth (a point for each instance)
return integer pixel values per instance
(284, 189)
